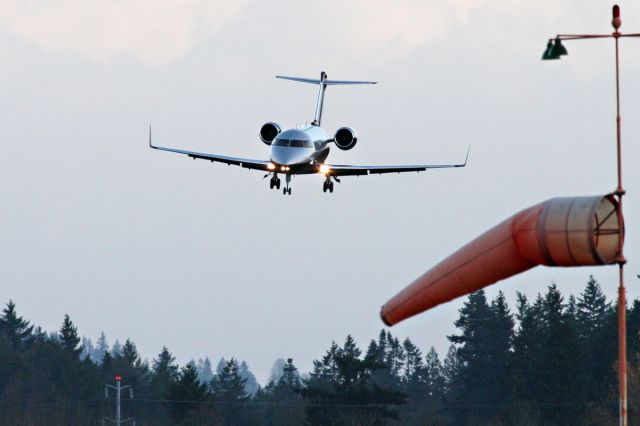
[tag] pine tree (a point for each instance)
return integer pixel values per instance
(451, 368)
(282, 402)
(228, 391)
(414, 367)
(276, 370)
(116, 350)
(434, 374)
(87, 348)
(102, 347)
(186, 388)
(251, 384)
(483, 353)
(205, 371)
(15, 328)
(592, 309)
(164, 374)
(69, 338)
(560, 380)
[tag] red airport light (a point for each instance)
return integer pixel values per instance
(118, 378)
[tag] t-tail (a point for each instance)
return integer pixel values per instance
(323, 83)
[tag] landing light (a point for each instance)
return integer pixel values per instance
(271, 166)
(324, 169)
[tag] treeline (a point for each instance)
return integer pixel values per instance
(549, 361)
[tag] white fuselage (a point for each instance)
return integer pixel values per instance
(300, 147)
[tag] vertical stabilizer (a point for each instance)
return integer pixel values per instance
(323, 83)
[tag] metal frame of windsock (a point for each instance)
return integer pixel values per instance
(570, 231)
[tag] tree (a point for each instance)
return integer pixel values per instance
(102, 347)
(69, 338)
(282, 402)
(483, 353)
(205, 372)
(341, 389)
(251, 384)
(188, 389)
(228, 389)
(276, 370)
(592, 309)
(15, 328)
(164, 373)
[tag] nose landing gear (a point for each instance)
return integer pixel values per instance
(286, 190)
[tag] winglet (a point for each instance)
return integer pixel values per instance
(150, 144)
(465, 158)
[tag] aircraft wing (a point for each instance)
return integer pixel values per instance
(236, 161)
(346, 170)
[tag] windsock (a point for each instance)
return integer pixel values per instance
(566, 231)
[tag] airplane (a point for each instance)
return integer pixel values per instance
(304, 150)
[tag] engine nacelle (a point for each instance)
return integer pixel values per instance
(268, 132)
(345, 138)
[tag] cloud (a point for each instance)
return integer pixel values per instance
(387, 30)
(156, 31)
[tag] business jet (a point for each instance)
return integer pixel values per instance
(304, 150)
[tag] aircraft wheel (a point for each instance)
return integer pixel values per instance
(284, 191)
(271, 184)
(324, 187)
(289, 191)
(278, 184)
(331, 187)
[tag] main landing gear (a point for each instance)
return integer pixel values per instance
(274, 182)
(328, 185)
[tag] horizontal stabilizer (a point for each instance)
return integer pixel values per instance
(326, 82)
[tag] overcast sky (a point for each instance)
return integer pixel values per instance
(204, 258)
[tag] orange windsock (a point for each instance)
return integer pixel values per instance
(568, 231)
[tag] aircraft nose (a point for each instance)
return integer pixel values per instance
(284, 156)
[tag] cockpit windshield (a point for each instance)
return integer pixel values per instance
(294, 143)
(301, 143)
(281, 142)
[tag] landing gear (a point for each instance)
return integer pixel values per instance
(274, 182)
(286, 190)
(327, 185)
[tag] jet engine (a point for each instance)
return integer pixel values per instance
(268, 132)
(345, 138)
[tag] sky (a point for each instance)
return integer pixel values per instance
(204, 258)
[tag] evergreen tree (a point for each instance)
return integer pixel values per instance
(69, 338)
(102, 347)
(189, 389)
(451, 368)
(205, 372)
(283, 404)
(87, 348)
(560, 380)
(221, 364)
(16, 329)
(341, 389)
(164, 374)
(251, 384)
(116, 350)
(276, 370)
(483, 355)
(228, 389)
(592, 308)
(434, 375)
